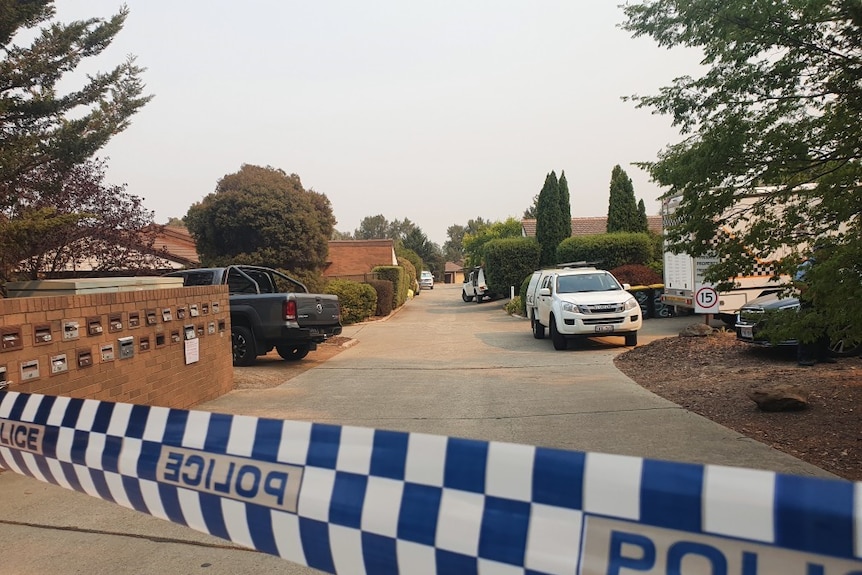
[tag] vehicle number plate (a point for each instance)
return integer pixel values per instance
(604, 328)
(745, 332)
(314, 331)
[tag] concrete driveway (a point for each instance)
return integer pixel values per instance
(438, 366)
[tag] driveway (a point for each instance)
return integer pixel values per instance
(438, 366)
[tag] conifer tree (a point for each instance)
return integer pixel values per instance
(622, 206)
(565, 205)
(550, 230)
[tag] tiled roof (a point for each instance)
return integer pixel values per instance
(586, 226)
(453, 267)
(358, 257)
(179, 245)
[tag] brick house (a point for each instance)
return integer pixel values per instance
(354, 259)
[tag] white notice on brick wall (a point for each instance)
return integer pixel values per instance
(193, 350)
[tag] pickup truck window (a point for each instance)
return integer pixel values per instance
(198, 278)
(237, 283)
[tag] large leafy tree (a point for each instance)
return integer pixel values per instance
(40, 124)
(71, 221)
(778, 108)
(50, 194)
(550, 220)
(482, 232)
(623, 215)
(263, 216)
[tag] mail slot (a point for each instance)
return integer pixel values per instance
(200, 330)
(221, 325)
(107, 351)
(151, 317)
(181, 313)
(59, 364)
(127, 347)
(134, 319)
(211, 328)
(70, 330)
(144, 343)
(193, 310)
(29, 370)
(42, 334)
(215, 307)
(94, 325)
(166, 314)
(205, 308)
(2, 374)
(11, 338)
(175, 336)
(85, 357)
(189, 331)
(115, 323)
(160, 339)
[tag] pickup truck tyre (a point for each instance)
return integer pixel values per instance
(292, 352)
(559, 340)
(242, 341)
(465, 297)
(538, 328)
(631, 339)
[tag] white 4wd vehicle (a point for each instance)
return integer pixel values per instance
(581, 302)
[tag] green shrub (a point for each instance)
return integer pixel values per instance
(384, 291)
(608, 250)
(507, 261)
(515, 306)
(397, 276)
(312, 279)
(358, 300)
(636, 275)
(410, 274)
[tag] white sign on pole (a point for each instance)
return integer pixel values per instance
(705, 299)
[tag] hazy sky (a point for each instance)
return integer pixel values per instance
(437, 112)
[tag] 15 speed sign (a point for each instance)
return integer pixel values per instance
(705, 299)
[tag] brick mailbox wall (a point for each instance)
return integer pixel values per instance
(167, 347)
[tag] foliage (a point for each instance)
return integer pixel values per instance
(507, 261)
(385, 296)
(530, 213)
(71, 220)
(550, 227)
(262, 216)
(636, 275)
(515, 306)
(41, 126)
(409, 255)
(643, 221)
(457, 234)
(623, 215)
(312, 279)
(484, 232)
(565, 205)
(777, 106)
(411, 277)
(607, 250)
(429, 252)
(397, 276)
(358, 300)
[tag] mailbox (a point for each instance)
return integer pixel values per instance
(215, 307)
(200, 330)
(221, 325)
(85, 357)
(29, 370)
(189, 331)
(59, 364)
(193, 310)
(152, 319)
(205, 308)
(107, 351)
(3, 381)
(115, 323)
(160, 339)
(134, 319)
(175, 336)
(211, 328)
(94, 325)
(70, 330)
(181, 313)
(144, 343)
(166, 315)
(10, 338)
(42, 334)
(127, 347)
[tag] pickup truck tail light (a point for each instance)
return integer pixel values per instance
(289, 310)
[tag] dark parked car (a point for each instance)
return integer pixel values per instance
(752, 318)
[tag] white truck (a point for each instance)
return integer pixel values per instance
(581, 301)
(475, 288)
(686, 290)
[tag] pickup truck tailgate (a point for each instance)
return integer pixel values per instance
(317, 310)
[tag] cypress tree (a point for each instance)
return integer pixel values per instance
(565, 206)
(549, 220)
(644, 222)
(622, 206)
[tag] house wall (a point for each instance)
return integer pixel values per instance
(41, 329)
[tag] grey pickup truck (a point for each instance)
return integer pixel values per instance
(270, 310)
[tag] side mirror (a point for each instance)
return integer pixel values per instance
(544, 291)
(627, 287)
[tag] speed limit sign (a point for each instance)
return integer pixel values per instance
(706, 300)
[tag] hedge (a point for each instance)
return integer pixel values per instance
(384, 291)
(398, 277)
(358, 300)
(507, 261)
(607, 250)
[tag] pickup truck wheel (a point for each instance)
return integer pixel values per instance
(538, 328)
(243, 346)
(292, 352)
(557, 338)
(631, 339)
(465, 297)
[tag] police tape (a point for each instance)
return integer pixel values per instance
(357, 500)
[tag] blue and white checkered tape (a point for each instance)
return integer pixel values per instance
(357, 500)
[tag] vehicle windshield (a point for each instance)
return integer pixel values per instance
(586, 283)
